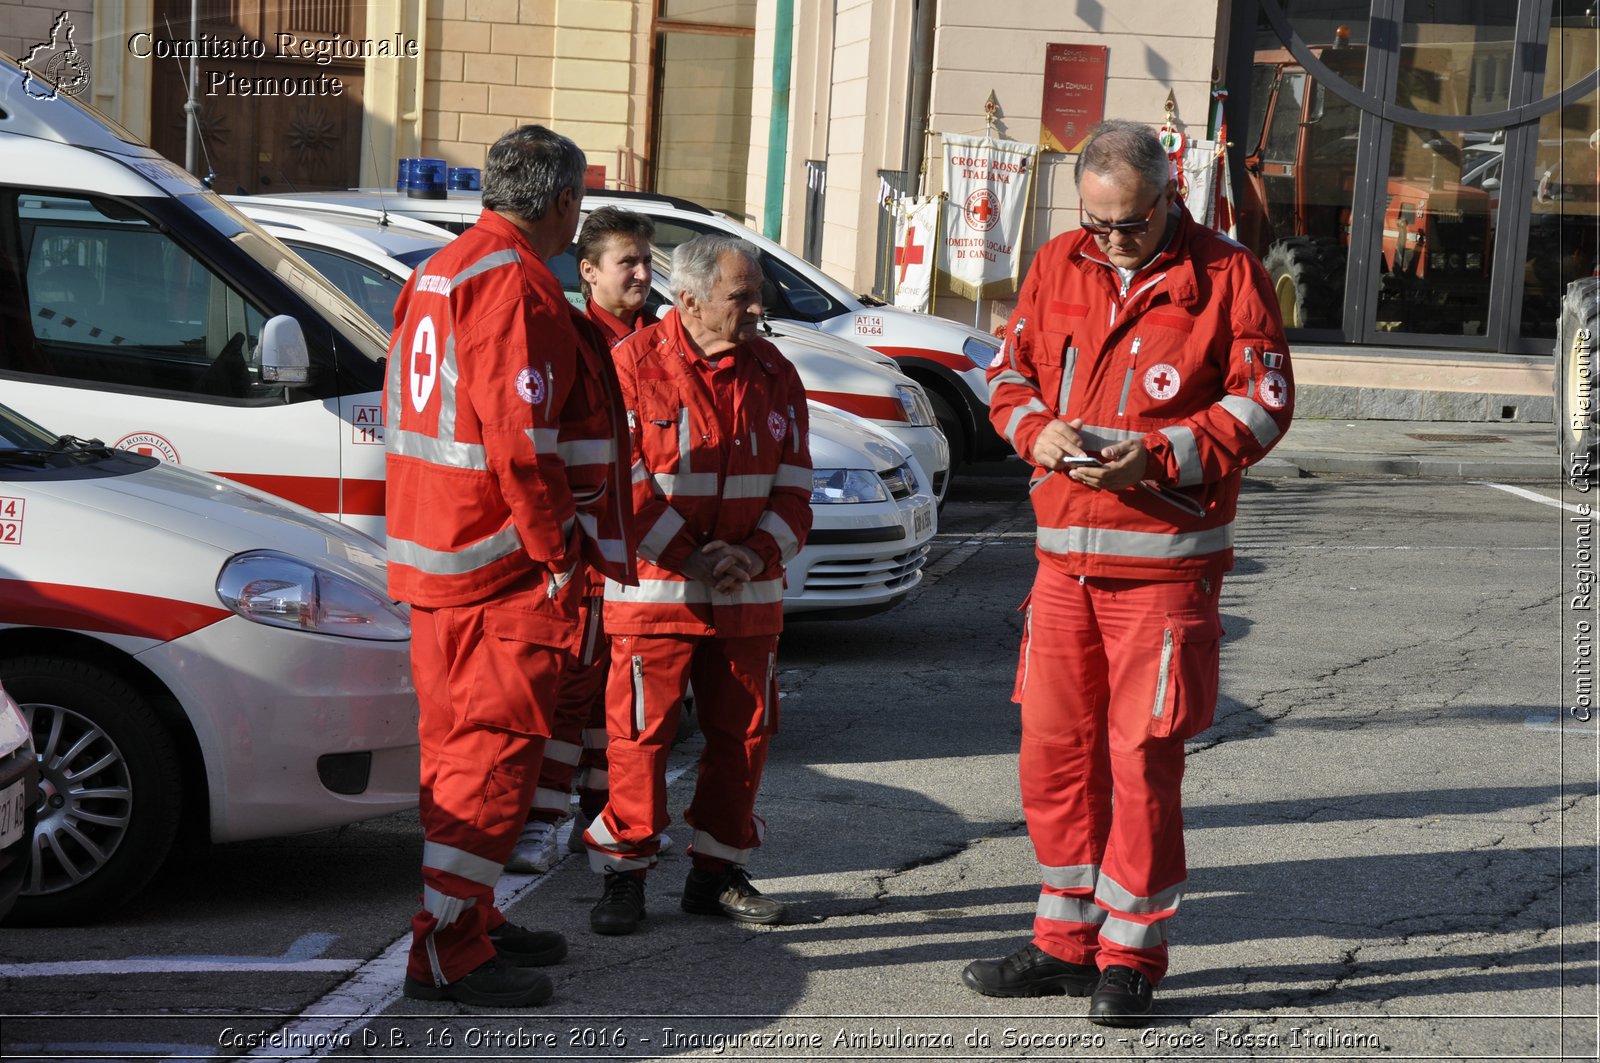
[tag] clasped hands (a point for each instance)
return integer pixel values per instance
(725, 566)
(1124, 463)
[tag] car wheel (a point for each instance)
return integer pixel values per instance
(110, 789)
(1575, 391)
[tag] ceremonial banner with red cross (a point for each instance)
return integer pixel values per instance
(987, 182)
(916, 227)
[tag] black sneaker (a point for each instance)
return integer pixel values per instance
(729, 893)
(1121, 999)
(528, 948)
(621, 905)
(497, 984)
(1030, 972)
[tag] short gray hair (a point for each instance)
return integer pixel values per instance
(696, 264)
(1118, 143)
(527, 168)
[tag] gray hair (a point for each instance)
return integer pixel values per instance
(1118, 143)
(527, 169)
(696, 264)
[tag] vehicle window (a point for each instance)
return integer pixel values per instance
(374, 290)
(111, 298)
(1283, 135)
(798, 298)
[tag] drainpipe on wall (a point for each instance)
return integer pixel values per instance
(921, 87)
(778, 122)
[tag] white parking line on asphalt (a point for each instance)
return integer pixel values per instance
(375, 986)
(301, 956)
(1548, 723)
(1532, 496)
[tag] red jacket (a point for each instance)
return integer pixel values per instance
(693, 483)
(504, 433)
(1191, 359)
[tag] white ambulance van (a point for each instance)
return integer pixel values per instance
(140, 308)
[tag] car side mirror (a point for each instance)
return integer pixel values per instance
(281, 352)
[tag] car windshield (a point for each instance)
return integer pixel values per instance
(19, 433)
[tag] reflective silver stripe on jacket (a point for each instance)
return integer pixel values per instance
(1120, 899)
(685, 484)
(436, 451)
(1252, 416)
(793, 476)
(444, 908)
(1027, 409)
(1010, 376)
(748, 485)
(502, 543)
(467, 865)
(1070, 876)
(587, 451)
(1070, 909)
(1114, 543)
(1134, 935)
(448, 373)
(1067, 369)
(1097, 438)
(640, 473)
(1186, 453)
(706, 845)
(778, 528)
(660, 535)
(545, 440)
(693, 592)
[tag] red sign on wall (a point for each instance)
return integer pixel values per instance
(595, 176)
(1074, 94)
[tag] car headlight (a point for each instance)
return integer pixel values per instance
(281, 591)
(14, 733)
(846, 485)
(914, 401)
(981, 352)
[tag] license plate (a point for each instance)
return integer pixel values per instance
(922, 520)
(11, 811)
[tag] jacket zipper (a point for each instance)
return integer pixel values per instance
(550, 393)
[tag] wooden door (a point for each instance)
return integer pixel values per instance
(280, 92)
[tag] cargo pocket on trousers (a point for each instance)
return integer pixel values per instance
(1026, 609)
(1186, 676)
(515, 653)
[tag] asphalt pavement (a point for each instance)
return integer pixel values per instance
(1431, 450)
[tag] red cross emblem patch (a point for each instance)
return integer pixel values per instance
(1161, 381)
(1275, 390)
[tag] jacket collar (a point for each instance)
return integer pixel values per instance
(1176, 259)
(671, 335)
(495, 223)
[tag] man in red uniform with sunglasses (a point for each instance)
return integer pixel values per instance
(1144, 368)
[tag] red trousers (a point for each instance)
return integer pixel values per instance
(736, 695)
(486, 692)
(1114, 675)
(577, 746)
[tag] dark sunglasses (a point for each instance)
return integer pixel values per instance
(1131, 228)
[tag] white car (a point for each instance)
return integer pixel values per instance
(947, 358)
(873, 502)
(187, 651)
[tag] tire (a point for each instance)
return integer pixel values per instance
(100, 836)
(1575, 378)
(1308, 279)
(951, 424)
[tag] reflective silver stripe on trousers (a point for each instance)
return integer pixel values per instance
(551, 800)
(660, 535)
(502, 543)
(1134, 935)
(606, 858)
(587, 451)
(706, 845)
(793, 476)
(685, 484)
(1066, 378)
(1070, 909)
(1186, 453)
(471, 866)
(597, 779)
(595, 738)
(1252, 416)
(444, 909)
(1097, 438)
(562, 752)
(1070, 876)
(778, 528)
(1120, 899)
(437, 451)
(1027, 409)
(638, 694)
(1109, 542)
(750, 485)
(545, 440)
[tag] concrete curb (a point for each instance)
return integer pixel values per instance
(1291, 465)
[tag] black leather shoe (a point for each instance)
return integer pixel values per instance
(1121, 999)
(528, 948)
(1030, 972)
(497, 984)
(621, 906)
(729, 893)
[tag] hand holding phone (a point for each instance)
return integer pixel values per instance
(1080, 459)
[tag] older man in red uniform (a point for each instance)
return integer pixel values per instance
(722, 498)
(503, 431)
(1144, 368)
